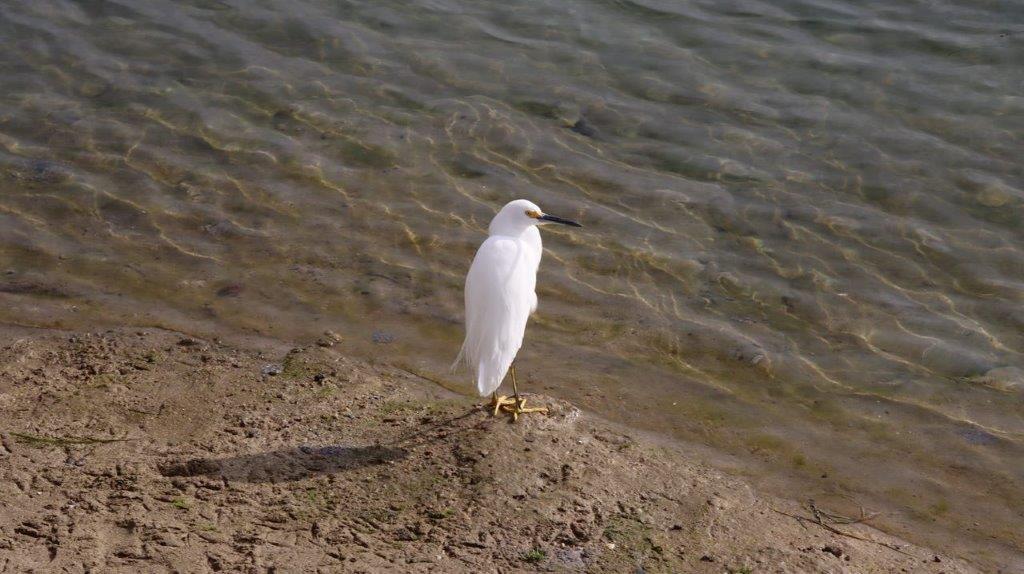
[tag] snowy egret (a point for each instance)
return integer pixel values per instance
(500, 297)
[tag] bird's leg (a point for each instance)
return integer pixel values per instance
(499, 402)
(515, 388)
(518, 404)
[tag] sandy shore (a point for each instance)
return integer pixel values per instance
(150, 451)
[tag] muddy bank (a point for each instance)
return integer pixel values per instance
(150, 451)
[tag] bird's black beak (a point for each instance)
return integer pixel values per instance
(554, 219)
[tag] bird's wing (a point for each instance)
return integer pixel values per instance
(499, 298)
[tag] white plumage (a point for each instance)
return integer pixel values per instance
(500, 294)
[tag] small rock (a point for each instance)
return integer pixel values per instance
(360, 539)
(571, 557)
(579, 532)
(131, 552)
(421, 528)
(232, 290)
(584, 128)
(383, 337)
(29, 528)
(271, 370)
(215, 562)
(995, 194)
(473, 544)
(405, 535)
(167, 539)
(978, 436)
(833, 550)
(212, 537)
(329, 339)
(92, 88)
(43, 171)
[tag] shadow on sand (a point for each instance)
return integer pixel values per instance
(285, 464)
(297, 463)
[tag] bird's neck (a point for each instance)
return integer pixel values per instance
(529, 236)
(509, 231)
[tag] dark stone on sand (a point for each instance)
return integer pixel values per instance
(43, 172)
(383, 337)
(271, 370)
(33, 288)
(978, 436)
(833, 550)
(538, 108)
(232, 290)
(583, 127)
(405, 535)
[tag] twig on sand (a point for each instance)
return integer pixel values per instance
(37, 440)
(839, 518)
(820, 517)
(438, 382)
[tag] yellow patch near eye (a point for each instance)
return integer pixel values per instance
(532, 213)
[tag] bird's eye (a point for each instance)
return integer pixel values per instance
(532, 213)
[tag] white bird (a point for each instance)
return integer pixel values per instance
(500, 297)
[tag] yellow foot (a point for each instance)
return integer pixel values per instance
(500, 403)
(517, 406)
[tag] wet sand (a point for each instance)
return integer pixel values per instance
(151, 451)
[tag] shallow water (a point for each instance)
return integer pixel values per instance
(803, 243)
